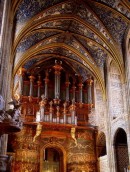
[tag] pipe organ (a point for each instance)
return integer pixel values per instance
(55, 103)
(56, 95)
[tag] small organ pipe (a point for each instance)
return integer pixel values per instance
(80, 93)
(67, 83)
(39, 86)
(58, 69)
(31, 85)
(46, 84)
(64, 112)
(51, 111)
(73, 89)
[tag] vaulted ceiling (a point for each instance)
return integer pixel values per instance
(83, 33)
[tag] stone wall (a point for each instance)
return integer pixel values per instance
(103, 163)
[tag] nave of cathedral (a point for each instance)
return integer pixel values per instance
(64, 86)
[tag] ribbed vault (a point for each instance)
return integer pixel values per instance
(85, 34)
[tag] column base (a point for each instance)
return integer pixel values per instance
(5, 163)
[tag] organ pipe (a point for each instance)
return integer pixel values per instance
(58, 69)
(31, 85)
(46, 84)
(39, 86)
(67, 83)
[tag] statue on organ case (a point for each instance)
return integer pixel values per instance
(38, 131)
(73, 135)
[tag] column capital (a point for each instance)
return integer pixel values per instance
(31, 78)
(80, 85)
(89, 81)
(57, 68)
(39, 83)
(46, 80)
(21, 71)
(67, 83)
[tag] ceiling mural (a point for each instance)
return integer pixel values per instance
(114, 23)
(98, 54)
(29, 63)
(34, 38)
(84, 34)
(118, 5)
(62, 8)
(28, 9)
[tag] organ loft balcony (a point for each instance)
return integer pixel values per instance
(55, 94)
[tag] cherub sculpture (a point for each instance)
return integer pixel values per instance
(73, 130)
(38, 131)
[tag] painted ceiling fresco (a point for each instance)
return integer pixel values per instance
(85, 33)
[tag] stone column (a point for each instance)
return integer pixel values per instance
(3, 144)
(5, 74)
(6, 63)
(5, 51)
(109, 139)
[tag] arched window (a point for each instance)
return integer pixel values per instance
(121, 150)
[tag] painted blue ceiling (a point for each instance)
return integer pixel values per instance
(88, 26)
(29, 8)
(34, 38)
(114, 23)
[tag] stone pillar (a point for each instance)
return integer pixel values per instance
(3, 146)
(4, 159)
(109, 139)
(5, 51)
